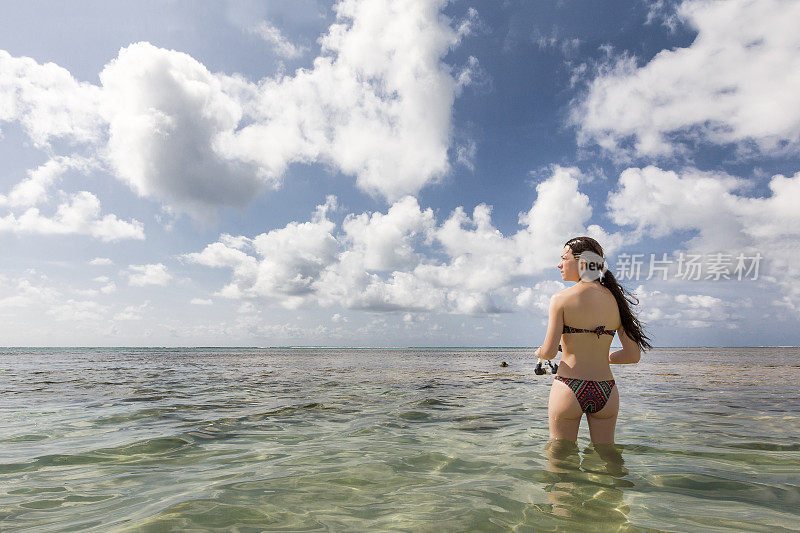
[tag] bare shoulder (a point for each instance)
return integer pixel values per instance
(572, 289)
(565, 294)
(562, 295)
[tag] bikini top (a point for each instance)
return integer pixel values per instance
(599, 330)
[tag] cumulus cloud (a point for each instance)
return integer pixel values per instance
(34, 189)
(393, 261)
(658, 202)
(22, 293)
(729, 86)
(164, 111)
(723, 219)
(152, 274)
(384, 242)
(48, 102)
(290, 259)
(538, 296)
(686, 310)
(376, 105)
(108, 287)
(201, 301)
(101, 261)
(79, 214)
(132, 312)
(37, 294)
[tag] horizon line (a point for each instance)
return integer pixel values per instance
(308, 346)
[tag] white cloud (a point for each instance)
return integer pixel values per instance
(47, 101)
(277, 41)
(472, 24)
(566, 45)
(165, 111)
(392, 261)
(290, 260)
(472, 74)
(658, 203)
(785, 301)
(538, 296)
(86, 293)
(222, 255)
(80, 214)
(101, 261)
(384, 242)
(731, 85)
(375, 105)
(247, 308)
(663, 11)
(127, 314)
(31, 303)
(33, 189)
(686, 310)
(77, 311)
(22, 293)
(201, 301)
(109, 288)
(132, 312)
(152, 274)
(465, 154)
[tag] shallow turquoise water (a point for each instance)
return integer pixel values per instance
(408, 440)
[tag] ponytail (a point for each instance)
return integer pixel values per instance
(630, 323)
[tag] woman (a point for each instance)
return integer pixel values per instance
(584, 318)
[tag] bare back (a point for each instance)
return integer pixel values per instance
(584, 355)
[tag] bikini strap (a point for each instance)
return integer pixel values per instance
(599, 330)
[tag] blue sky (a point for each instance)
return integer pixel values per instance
(390, 173)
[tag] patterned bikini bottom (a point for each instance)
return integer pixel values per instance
(592, 395)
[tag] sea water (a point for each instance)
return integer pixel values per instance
(125, 439)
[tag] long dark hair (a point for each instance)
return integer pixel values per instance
(633, 327)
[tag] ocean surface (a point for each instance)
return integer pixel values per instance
(127, 439)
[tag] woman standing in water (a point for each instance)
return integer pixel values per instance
(584, 318)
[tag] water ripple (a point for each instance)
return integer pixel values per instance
(324, 439)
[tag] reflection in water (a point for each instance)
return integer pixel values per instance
(588, 489)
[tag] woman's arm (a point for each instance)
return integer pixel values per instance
(630, 352)
(621, 358)
(555, 327)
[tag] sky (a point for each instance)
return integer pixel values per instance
(394, 172)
